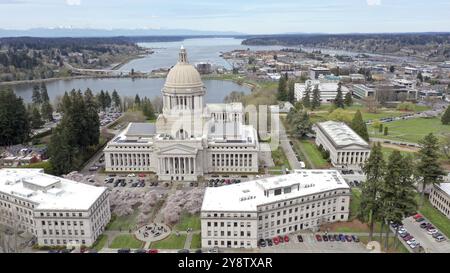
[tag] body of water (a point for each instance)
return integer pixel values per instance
(199, 50)
(216, 90)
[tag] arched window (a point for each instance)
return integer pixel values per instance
(182, 134)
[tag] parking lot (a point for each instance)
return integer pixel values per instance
(429, 244)
(311, 245)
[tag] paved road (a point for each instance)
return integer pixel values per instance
(425, 240)
(287, 148)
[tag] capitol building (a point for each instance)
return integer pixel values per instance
(189, 139)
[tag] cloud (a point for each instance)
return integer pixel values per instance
(373, 2)
(73, 2)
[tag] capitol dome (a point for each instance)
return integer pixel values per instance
(183, 77)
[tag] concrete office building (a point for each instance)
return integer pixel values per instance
(239, 215)
(347, 149)
(328, 90)
(315, 72)
(440, 198)
(55, 210)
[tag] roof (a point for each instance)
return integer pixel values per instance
(248, 196)
(340, 134)
(141, 129)
(445, 187)
(64, 194)
(183, 77)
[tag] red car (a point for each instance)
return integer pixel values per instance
(152, 251)
(276, 241)
(417, 216)
(319, 238)
(286, 238)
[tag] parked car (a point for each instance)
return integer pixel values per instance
(348, 238)
(286, 238)
(318, 238)
(276, 241)
(420, 219)
(123, 250)
(281, 239)
(140, 251)
(336, 238)
(269, 242)
(355, 238)
(440, 238)
(418, 215)
(152, 251)
(300, 238)
(403, 235)
(325, 238)
(437, 234)
(342, 237)
(414, 245)
(423, 225)
(330, 238)
(407, 238)
(262, 243)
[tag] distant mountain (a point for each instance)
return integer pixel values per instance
(83, 32)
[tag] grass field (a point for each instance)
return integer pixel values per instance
(196, 241)
(313, 153)
(387, 151)
(355, 202)
(280, 159)
(123, 222)
(436, 217)
(188, 221)
(101, 242)
(126, 241)
(413, 130)
(171, 242)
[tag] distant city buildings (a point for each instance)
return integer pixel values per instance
(347, 149)
(57, 211)
(315, 72)
(239, 215)
(328, 90)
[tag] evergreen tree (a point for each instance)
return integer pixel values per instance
(380, 128)
(316, 98)
(291, 92)
(137, 100)
(116, 99)
(108, 100)
(339, 100)
(101, 100)
(62, 154)
(445, 119)
(420, 76)
(282, 89)
(14, 120)
(35, 118)
(92, 119)
(300, 122)
(36, 96)
(397, 196)
(359, 126)
(374, 169)
(44, 93)
(147, 108)
(306, 100)
(47, 111)
(428, 168)
(348, 100)
(386, 130)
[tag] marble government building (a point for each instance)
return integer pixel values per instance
(189, 138)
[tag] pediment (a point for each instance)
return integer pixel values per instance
(178, 149)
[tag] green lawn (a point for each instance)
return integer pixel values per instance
(126, 241)
(355, 202)
(101, 242)
(280, 159)
(436, 217)
(196, 241)
(188, 221)
(314, 155)
(171, 242)
(387, 151)
(413, 130)
(123, 223)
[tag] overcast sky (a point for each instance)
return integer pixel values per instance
(248, 16)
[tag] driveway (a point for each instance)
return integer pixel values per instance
(287, 149)
(426, 241)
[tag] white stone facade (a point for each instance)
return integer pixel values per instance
(239, 215)
(55, 210)
(190, 138)
(347, 149)
(440, 198)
